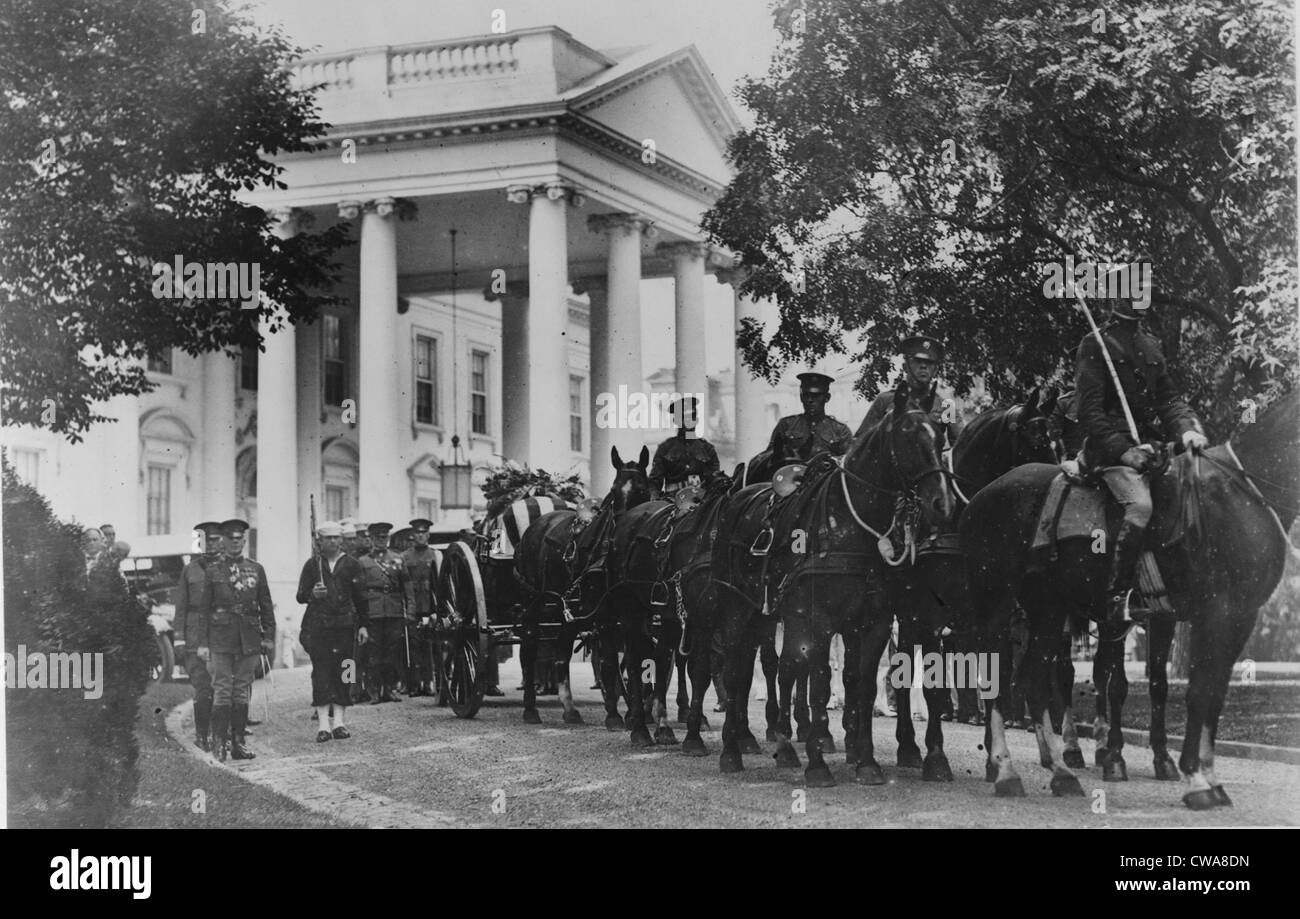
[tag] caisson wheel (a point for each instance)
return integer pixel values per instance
(461, 629)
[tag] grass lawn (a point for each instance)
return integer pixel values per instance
(1263, 712)
(169, 777)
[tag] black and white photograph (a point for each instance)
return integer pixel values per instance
(745, 414)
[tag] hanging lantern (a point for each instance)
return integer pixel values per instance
(457, 480)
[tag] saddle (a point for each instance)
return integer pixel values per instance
(1082, 508)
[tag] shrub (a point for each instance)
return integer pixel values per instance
(71, 760)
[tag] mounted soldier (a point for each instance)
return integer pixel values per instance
(684, 459)
(922, 357)
(1150, 396)
(798, 438)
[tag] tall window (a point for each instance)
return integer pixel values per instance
(575, 414)
(27, 464)
(159, 500)
(426, 380)
(161, 362)
(336, 365)
(426, 508)
(478, 394)
(336, 498)
(248, 368)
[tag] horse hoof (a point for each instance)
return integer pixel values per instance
(613, 722)
(1114, 769)
(801, 735)
(1074, 759)
(869, 774)
(936, 768)
(749, 745)
(665, 737)
(909, 757)
(704, 724)
(1221, 798)
(531, 716)
(640, 737)
(818, 777)
(990, 771)
(693, 745)
(683, 714)
(1009, 788)
(785, 755)
(771, 735)
(731, 762)
(1166, 771)
(1066, 786)
(1201, 800)
(850, 755)
(828, 744)
(573, 717)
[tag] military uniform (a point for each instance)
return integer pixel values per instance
(925, 347)
(1159, 413)
(236, 623)
(191, 593)
(798, 438)
(329, 631)
(386, 587)
(683, 459)
(421, 563)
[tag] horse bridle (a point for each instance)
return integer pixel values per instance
(909, 485)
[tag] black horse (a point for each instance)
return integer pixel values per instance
(1220, 548)
(560, 562)
(823, 572)
(1267, 449)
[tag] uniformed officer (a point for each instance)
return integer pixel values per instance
(236, 623)
(421, 561)
(334, 624)
(922, 355)
(191, 593)
(385, 578)
(683, 459)
(798, 438)
(1108, 444)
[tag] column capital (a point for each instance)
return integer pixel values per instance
(627, 224)
(384, 207)
(735, 275)
(515, 290)
(682, 249)
(349, 210)
(286, 220)
(554, 191)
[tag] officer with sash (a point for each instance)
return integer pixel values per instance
(191, 593)
(386, 587)
(235, 624)
(683, 459)
(421, 562)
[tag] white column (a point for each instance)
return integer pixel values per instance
(218, 436)
(688, 295)
(749, 421)
(277, 473)
(383, 484)
(308, 351)
(616, 340)
(514, 354)
(598, 383)
(546, 427)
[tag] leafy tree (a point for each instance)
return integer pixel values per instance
(918, 163)
(129, 130)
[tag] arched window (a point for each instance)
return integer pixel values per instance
(341, 464)
(165, 450)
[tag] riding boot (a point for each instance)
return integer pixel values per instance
(220, 731)
(202, 724)
(1123, 566)
(238, 723)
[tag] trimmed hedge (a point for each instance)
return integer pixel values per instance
(72, 760)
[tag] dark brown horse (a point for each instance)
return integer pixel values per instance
(1267, 450)
(1220, 548)
(561, 565)
(824, 572)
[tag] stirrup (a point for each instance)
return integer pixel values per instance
(658, 594)
(762, 543)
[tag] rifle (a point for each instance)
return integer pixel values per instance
(315, 545)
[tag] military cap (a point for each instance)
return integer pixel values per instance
(403, 533)
(209, 528)
(815, 382)
(379, 529)
(329, 528)
(922, 346)
(420, 525)
(676, 405)
(234, 527)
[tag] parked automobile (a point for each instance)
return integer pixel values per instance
(153, 580)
